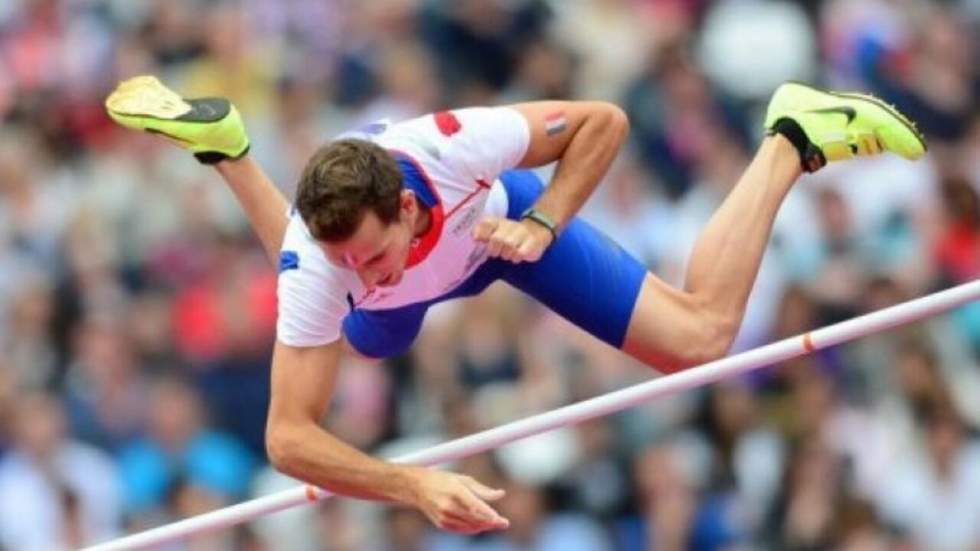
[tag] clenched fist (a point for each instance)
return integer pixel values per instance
(516, 241)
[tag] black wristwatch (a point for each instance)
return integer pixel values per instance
(542, 219)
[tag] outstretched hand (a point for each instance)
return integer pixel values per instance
(516, 241)
(458, 503)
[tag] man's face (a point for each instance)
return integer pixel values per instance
(378, 253)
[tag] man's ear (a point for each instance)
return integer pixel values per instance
(407, 201)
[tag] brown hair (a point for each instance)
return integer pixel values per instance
(344, 180)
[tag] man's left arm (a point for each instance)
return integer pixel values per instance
(584, 137)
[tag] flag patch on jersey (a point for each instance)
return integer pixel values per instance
(555, 123)
(447, 123)
(288, 260)
(374, 128)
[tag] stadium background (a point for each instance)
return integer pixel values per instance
(137, 311)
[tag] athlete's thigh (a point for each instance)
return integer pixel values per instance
(669, 330)
(584, 276)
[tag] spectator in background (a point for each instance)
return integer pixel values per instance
(28, 345)
(407, 530)
(149, 321)
(858, 528)
(487, 350)
(477, 43)
(667, 499)
(234, 64)
(734, 32)
(55, 492)
(599, 483)
(181, 457)
(932, 495)
(544, 71)
(957, 249)
(805, 513)
(673, 109)
(105, 392)
(611, 38)
(8, 389)
(145, 275)
(33, 206)
(533, 528)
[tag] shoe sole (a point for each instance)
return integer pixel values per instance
(146, 97)
(890, 109)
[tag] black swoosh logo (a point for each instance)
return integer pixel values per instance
(845, 110)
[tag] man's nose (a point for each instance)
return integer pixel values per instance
(369, 278)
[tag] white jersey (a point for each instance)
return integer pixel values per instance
(452, 161)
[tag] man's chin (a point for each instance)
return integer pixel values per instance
(390, 281)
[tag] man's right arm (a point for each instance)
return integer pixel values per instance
(302, 384)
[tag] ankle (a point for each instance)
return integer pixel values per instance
(810, 157)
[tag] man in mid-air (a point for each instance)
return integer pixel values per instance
(393, 218)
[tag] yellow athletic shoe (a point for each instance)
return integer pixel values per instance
(209, 127)
(840, 125)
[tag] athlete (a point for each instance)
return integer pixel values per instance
(395, 217)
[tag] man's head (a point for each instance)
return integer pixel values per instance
(351, 197)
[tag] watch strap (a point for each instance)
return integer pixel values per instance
(543, 219)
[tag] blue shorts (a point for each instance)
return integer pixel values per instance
(584, 276)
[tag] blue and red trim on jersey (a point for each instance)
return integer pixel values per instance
(415, 178)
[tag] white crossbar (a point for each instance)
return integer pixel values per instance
(605, 404)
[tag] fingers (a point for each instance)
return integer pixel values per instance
(463, 527)
(509, 240)
(485, 228)
(477, 513)
(495, 232)
(459, 505)
(465, 514)
(529, 252)
(482, 491)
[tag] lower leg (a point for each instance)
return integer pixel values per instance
(672, 329)
(727, 254)
(265, 206)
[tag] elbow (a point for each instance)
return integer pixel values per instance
(616, 121)
(711, 341)
(282, 447)
(716, 341)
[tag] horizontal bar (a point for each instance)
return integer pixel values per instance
(605, 404)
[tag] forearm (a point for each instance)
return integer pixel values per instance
(583, 164)
(313, 455)
(264, 205)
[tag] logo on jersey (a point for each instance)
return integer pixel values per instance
(466, 222)
(288, 260)
(478, 255)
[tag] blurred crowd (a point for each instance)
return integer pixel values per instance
(137, 311)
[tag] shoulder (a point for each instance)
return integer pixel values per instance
(454, 124)
(303, 262)
(471, 142)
